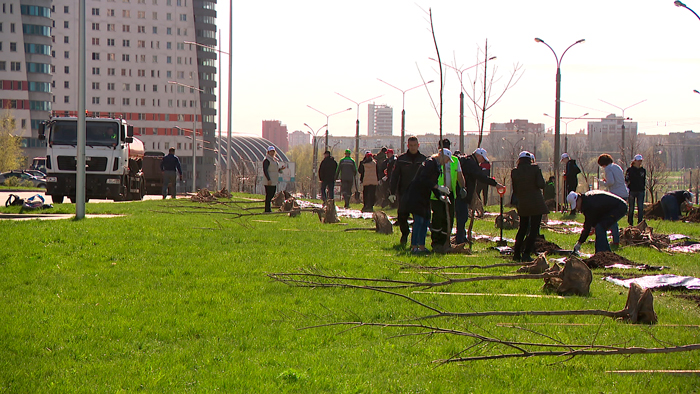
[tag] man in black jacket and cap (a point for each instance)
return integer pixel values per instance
(600, 210)
(405, 169)
(326, 174)
(472, 173)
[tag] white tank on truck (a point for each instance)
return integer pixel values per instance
(113, 159)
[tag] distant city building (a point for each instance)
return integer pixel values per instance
(517, 125)
(299, 137)
(606, 135)
(276, 132)
(379, 119)
(25, 67)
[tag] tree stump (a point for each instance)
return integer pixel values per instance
(511, 220)
(574, 279)
(329, 213)
(538, 266)
(640, 306)
(382, 223)
(280, 198)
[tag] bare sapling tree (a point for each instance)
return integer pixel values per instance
(484, 91)
(657, 174)
(10, 144)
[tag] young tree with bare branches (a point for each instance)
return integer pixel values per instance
(10, 147)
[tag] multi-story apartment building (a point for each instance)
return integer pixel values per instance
(299, 137)
(606, 136)
(141, 65)
(25, 67)
(276, 132)
(379, 119)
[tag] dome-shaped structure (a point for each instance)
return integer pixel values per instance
(246, 152)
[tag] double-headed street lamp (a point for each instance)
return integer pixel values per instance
(680, 4)
(194, 135)
(461, 71)
(357, 123)
(624, 159)
(218, 98)
(403, 106)
(328, 116)
(557, 111)
(314, 181)
(566, 131)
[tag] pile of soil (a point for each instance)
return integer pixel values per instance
(203, 195)
(544, 246)
(223, 193)
(642, 234)
(693, 215)
(602, 259)
(654, 211)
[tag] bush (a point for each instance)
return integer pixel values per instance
(17, 182)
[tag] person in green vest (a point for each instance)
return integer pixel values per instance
(443, 207)
(346, 172)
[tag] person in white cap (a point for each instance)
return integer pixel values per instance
(601, 211)
(271, 171)
(571, 172)
(528, 184)
(636, 180)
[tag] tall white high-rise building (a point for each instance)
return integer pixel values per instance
(379, 119)
(25, 67)
(139, 66)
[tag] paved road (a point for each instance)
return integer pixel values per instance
(26, 194)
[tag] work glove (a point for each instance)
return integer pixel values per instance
(385, 178)
(577, 247)
(443, 189)
(391, 198)
(463, 192)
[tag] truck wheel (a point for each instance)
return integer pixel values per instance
(57, 199)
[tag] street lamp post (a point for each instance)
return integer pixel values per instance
(461, 96)
(512, 146)
(403, 106)
(557, 112)
(314, 181)
(624, 154)
(218, 98)
(566, 130)
(194, 135)
(357, 123)
(680, 4)
(328, 116)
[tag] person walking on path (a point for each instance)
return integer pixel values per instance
(601, 211)
(528, 184)
(416, 198)
(170, 165)
(571, 172)
(369, 180)
(671, 203)
(405, 170)
(271, 171)
(346, 172)
(614, 181)
(473, 176)
(326, 174)
(443, 206)
(636, 180)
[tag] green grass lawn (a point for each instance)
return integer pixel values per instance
(173, 298)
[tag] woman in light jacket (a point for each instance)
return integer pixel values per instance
(614, 181)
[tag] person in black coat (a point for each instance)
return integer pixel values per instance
(571, 172)
(601, 210)
(326, 174)
(416, 199)
(473, 174)
(636, 180)
(528, 183)
(405, 169)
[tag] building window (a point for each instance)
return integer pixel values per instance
(96, 26)
(126, 43)
(141, 44)
(65, 9)
(66, 99)
(66, 54)
(123, 72)
(110, 12)
(125, 57)
(168, 59)
(65, 39)
(65, 24)
(168, 45)
(125, 101)
(142, 73)
(111, 57)
(155, 88)
(155, 17)
(155, 59)
(142, 14)
(95, 86)
(125, 29)
(110, 100)
(169, 31)
(95, 41)
(110, 42)
(126, 87)
(168, 16)
(126, 14)
(95, 71)
(110, 71)
(66, 84)
(142, 29)
(95, 100)
(110, 27)
(15, 66)
(96, 11)
(138, 89)
(66, 70)
(95, 56)
(13, 47)
(12, 27)
(110, 86)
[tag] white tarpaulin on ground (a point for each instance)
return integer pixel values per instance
(653, 281)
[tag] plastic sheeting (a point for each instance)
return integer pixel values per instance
(656, 281)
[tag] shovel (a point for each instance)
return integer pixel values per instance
(501, 191)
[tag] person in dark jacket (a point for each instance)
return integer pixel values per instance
(369, 180)
(571, 172)
(473, 175)
(601, 210)
(326, 174)
(528, 183)
(271, 170)
(671, 203)
(169, 166)
(384, 171)
(636, 180)
(482, 189)
(405, 170)
(415, 199)
(346, 172)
